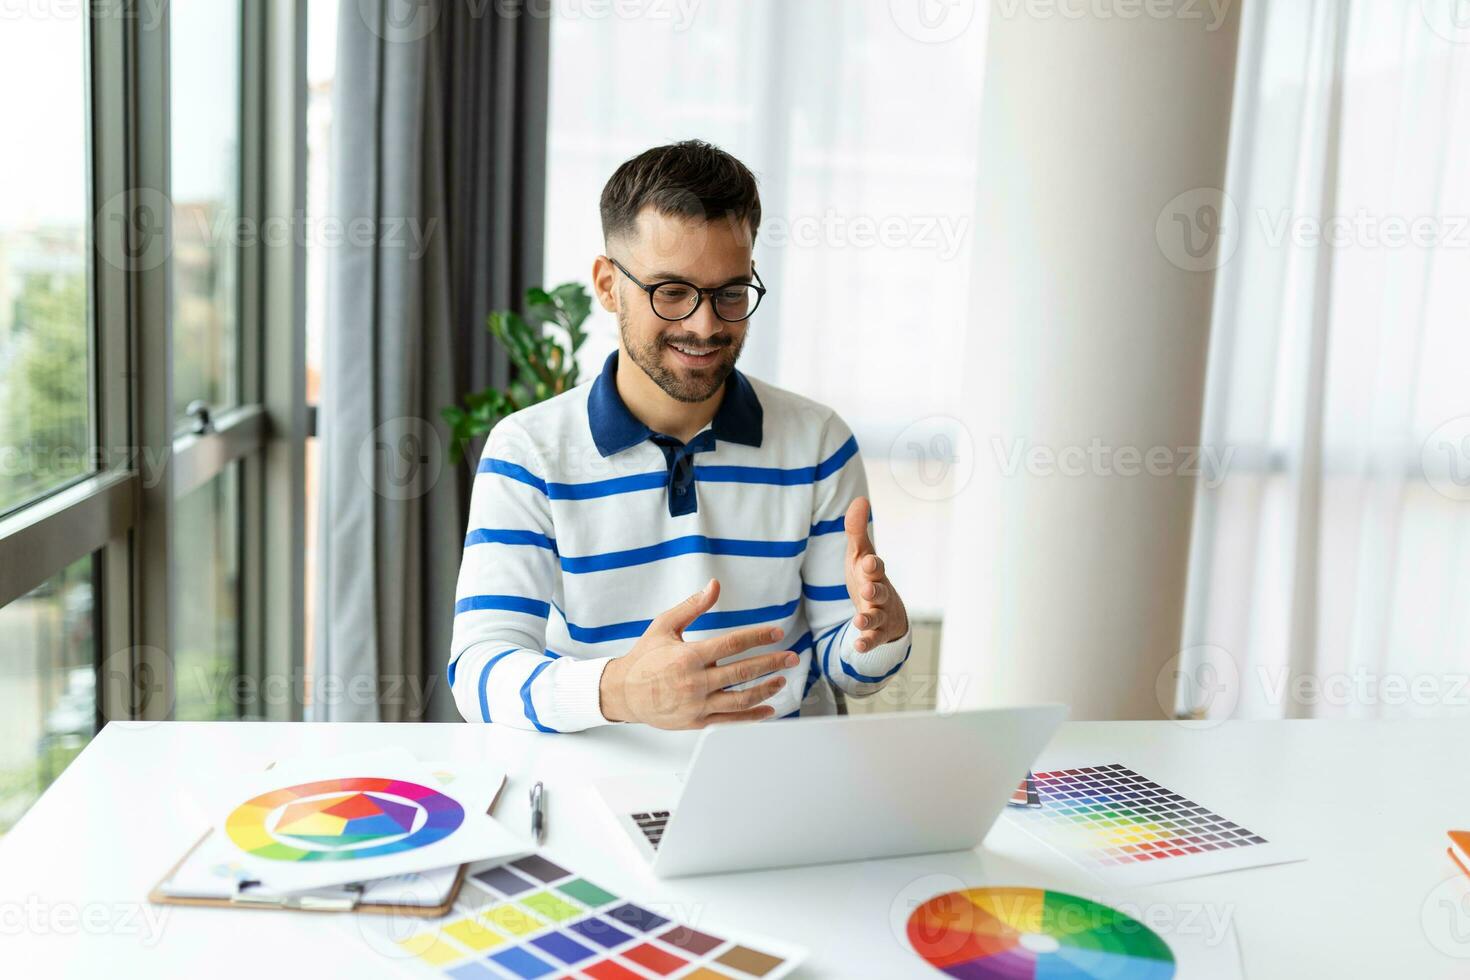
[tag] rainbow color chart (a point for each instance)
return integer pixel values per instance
(1129, 830)
(1026, 933)
(532, 918)
(343, 820)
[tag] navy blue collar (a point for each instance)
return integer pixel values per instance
(614, 428)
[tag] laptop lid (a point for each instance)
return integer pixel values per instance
(813, 791)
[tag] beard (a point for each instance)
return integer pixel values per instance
(689, 385)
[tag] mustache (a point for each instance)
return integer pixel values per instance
(719, 340)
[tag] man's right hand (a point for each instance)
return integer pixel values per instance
(668, 683)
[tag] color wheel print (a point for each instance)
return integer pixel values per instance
(1025, 933)
(342, 820)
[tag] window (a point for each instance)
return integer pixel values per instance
(207, 624)
(204, 75)
(44, 207)
(47, 685)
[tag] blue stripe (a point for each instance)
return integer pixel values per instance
(513, 471)
(829, 527)
(835, 637)
(491, 535)
(793, 714)
(779, 477)
(709, 621)
(769, 475)
(692, 544)
(512, 603)
(484, 676)
(526, 699)
(824, 593)
(847, 669)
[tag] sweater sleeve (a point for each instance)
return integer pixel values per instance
(829, 609)
(499, 669)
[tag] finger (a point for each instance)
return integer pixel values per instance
(869, 622)
(875, 593)
(719, 647)
(871, 568)
(726, 701)
(750, 668)
(867, 640)
(754, 714)
(676, 620)
(855, 524)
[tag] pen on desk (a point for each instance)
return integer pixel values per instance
(538, 812)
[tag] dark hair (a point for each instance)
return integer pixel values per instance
(690, 179)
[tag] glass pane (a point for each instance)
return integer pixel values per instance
(204, 62)
(43, 254)
(48, 686)
(206, 583)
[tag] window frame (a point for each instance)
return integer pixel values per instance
(123, 511)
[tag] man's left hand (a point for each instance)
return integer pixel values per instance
(880, 612)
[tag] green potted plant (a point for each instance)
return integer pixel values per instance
(542, 366)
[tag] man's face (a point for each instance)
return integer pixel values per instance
(689, 359)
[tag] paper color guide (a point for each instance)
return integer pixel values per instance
(532, 918)
(1128, 829)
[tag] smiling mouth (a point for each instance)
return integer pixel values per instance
(695, 354)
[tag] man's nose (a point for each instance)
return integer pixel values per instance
(703, 323)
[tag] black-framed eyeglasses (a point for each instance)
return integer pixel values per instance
(676, 299)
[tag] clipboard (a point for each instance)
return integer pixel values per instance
(348, 898)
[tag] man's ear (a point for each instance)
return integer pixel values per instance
(604, 283)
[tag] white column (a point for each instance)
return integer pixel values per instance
(1087, 352)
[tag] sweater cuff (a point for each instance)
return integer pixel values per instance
(880, 662)
(577, 694)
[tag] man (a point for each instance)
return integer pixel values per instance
(595, 513)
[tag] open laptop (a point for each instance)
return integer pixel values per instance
(818, 790)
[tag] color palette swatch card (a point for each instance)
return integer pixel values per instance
(1128, 830)
(317, 823)
(530, 918)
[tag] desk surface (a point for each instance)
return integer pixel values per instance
(1368, 801)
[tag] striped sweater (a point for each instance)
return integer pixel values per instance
(584, 525)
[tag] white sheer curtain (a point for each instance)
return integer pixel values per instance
(864, 137)
(1331, 567)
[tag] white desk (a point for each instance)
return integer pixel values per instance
(1369, 801)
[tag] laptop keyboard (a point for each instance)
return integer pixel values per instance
(652, 825)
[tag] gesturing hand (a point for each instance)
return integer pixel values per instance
(880, 612)
(668, 683)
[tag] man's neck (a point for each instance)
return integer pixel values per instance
(653, 406)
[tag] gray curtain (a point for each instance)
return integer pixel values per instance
(438, 151)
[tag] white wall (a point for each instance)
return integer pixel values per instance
(1088, 338)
